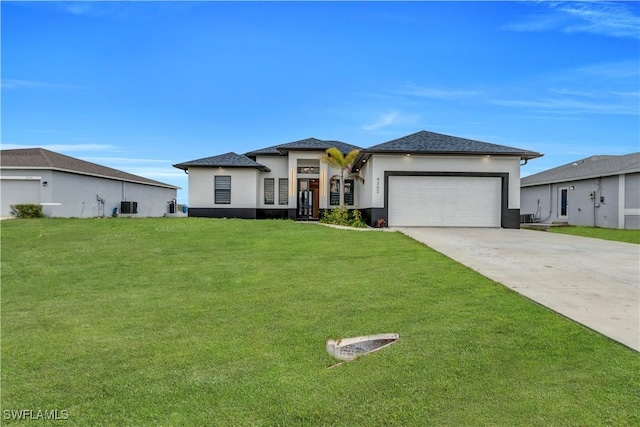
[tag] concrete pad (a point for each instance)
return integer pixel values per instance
(594, 282)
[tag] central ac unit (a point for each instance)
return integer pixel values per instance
(128, 207)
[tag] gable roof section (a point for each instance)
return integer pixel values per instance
(591, 167)
(228, 160)
(309, 144)
(39, 158)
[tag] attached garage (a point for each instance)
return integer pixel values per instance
(18, 191)
(444, 201)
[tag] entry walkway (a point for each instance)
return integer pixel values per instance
(594, 282)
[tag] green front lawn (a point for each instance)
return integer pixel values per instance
(629, 236)
(200, 322)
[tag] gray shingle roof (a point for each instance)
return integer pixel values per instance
(309, 144)
(39, 158)
(425, 142)
(436, 143)
(591, 167)
(228, 160)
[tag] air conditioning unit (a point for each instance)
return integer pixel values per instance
(128, 207)
(526, 218)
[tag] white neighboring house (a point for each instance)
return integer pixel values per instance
(70, 187)
(599, 191)
(423, 179)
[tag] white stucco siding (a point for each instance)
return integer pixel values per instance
(324, 176)
(244, 182)
(278, 166)
(379, 163)
(365, 191)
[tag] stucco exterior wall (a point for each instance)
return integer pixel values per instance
(379, 163)
(278, 166)
(631, 212)
(75, 195)
(364, 190)
(632, 191)
(536, 201)
(608, 202)
(244, 183)
(324, 176)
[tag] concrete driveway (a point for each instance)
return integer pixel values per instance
(594, 282)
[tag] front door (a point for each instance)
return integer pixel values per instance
(308, 199)
(563, 202)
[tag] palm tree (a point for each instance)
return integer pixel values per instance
(337, 160)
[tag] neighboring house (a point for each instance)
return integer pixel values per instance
(599, 191)
(70, 187)
(423, 179)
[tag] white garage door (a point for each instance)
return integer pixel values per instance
(16, 191)
(444, 201)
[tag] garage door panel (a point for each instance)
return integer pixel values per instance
(436, 201)
(15, 191)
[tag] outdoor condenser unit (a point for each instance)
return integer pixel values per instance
(128, 207)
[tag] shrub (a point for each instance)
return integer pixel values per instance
(27, 210)
(342, 216)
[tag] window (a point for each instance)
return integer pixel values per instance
(308, 169)
(222, 189)
(269, 191)
(349, 189)
(283, 191)
(334, 192)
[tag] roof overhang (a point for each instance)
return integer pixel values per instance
(185, 167)
(365, 155)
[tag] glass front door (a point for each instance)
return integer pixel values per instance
(308, 199)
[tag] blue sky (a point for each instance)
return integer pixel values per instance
(141, 86)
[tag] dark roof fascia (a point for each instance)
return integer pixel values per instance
(151, 183)
(182, 166)
(226, 160)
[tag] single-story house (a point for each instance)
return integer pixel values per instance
(599, 191)
(423, 179)
(69, 187)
